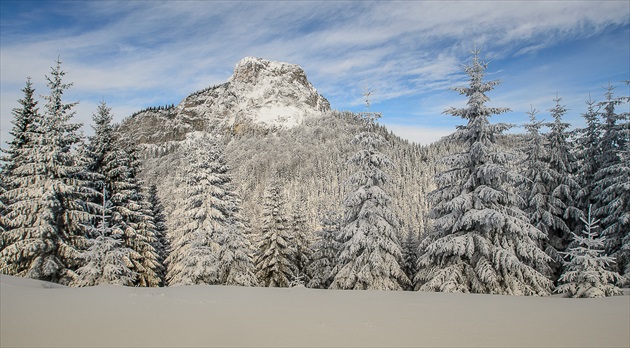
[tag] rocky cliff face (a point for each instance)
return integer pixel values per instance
(260, 93)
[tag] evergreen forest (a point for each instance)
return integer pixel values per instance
(337, 202)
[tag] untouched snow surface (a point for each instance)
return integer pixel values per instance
(35, 313)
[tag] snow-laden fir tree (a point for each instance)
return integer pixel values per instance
(236, 264)
(612, 180)
(193, 236)
(544, 209)
(562, 161)
(371, 255)
(106, 261)
(482, 241)
(162, 246)
(302, 240)
(588, 150)
(115, 162)
(49, 202)
(208, 244)
(275, 255)
(587, 273)
(23, 133)
(323, 266)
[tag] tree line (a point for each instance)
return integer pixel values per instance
(550, 212)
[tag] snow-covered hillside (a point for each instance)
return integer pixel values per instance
(35, 313)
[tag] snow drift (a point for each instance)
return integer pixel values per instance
(35, 313)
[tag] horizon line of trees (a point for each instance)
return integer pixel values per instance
(551, 215)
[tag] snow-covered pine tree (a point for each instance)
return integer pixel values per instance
(23, 133)
(302, 240)
(371, 255)
(323, 266)
(482, 241)
(612, 186)
(206, 222)
(49, 202)
(161, 246)
(588, 150)
(562, 161)
(194, 252)
(275, 257)
(544, 209)
(106, 260)
(236, 264)
(587, 272)
(115, 163)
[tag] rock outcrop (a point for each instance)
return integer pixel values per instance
(260, 93)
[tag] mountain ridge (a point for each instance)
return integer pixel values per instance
(260, 94)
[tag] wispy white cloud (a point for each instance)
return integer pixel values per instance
(126, 52)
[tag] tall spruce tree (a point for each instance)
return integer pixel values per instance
(24, 133)
(482, 241)
(564, 187)
(193, 236)
(544, 209)
(563, 161)
(275, 257)
(371, 255)
(612, 180)
(114, 161)
(236, 264)
(49, 202)
(206, 234)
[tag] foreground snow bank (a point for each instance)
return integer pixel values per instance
(35, 313)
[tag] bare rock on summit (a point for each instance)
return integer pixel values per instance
(260, 93)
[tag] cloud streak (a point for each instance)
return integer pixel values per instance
(161, 51)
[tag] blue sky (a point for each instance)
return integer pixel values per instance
(135, 54)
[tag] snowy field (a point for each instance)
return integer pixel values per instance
(35, 313)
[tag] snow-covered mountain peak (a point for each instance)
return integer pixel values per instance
(262, 93)
(252, 70)
(275, 93)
